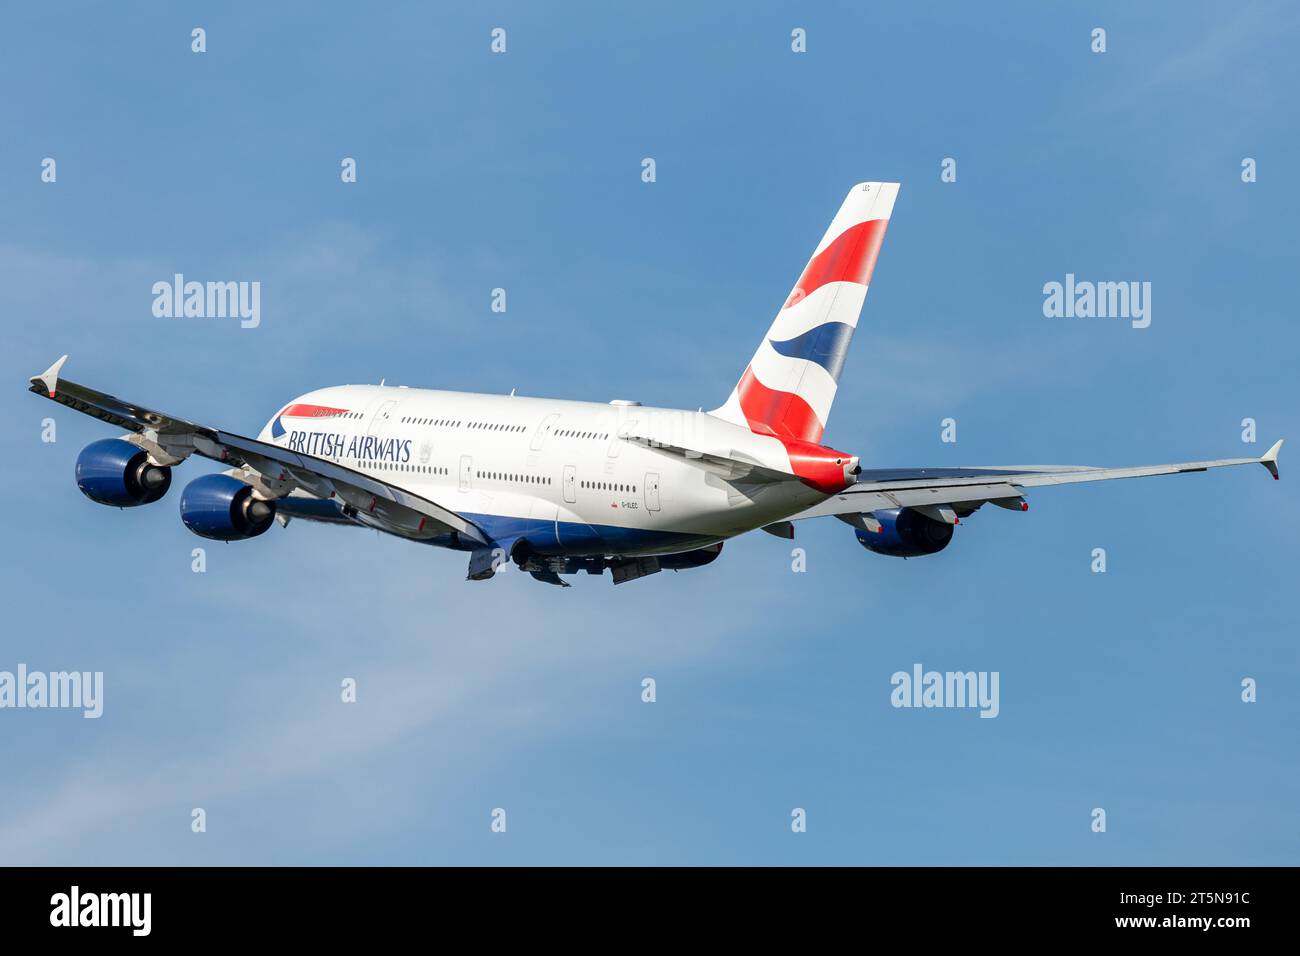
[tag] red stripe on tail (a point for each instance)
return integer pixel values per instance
(788, 418)
(781, 414)
(850, 258)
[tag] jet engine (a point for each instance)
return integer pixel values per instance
(224, 508)
(905, 533)
(113, 471)
(691, 559)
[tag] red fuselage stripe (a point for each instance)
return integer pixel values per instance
(311, 411)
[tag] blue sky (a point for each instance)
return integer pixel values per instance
(1118, 690)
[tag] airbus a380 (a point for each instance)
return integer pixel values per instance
(557, 487)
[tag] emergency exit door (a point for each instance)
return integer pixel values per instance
(380, 419)
(651, 491)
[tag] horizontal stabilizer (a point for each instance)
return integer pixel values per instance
(723, 464)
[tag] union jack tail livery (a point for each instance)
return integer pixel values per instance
(789, 385)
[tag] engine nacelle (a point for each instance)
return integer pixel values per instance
(905, 533)
(224, 508)
(112, 471)
(691, 559)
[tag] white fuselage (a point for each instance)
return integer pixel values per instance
(508, 462)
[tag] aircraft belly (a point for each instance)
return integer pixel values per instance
(570, 535)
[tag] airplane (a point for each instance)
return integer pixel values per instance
(558, 487)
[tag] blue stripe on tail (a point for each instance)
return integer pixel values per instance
(827, 345)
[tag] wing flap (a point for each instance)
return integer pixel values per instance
(855, 501)
(363, 492)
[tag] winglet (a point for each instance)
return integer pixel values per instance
(50, 377)
(1269, 460)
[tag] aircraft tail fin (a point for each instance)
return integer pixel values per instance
(790, 383)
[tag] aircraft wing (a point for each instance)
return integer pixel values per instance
(950, 493)
(278, 472)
